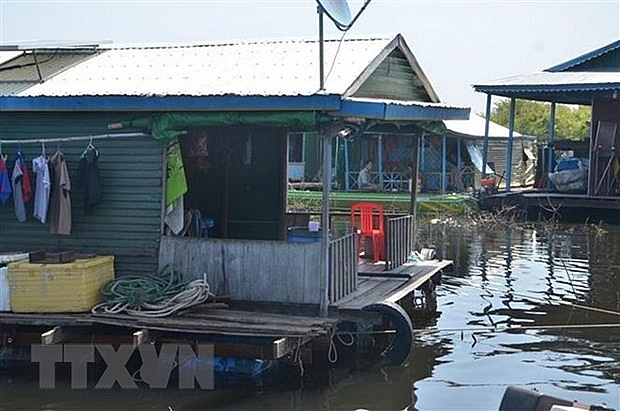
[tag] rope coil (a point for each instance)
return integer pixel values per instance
(153, 295)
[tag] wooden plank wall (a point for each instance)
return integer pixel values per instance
(343, 267)
(399, 240)
(246, 270)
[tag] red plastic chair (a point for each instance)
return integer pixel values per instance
(367, 219)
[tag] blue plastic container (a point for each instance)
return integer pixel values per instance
(303, 235)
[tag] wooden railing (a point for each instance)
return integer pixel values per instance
(399, 240)
(342, 267)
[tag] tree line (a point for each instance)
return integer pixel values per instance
(532, 119)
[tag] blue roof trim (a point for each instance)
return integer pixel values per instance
(396, 112)
(585, 57)
(171, 103)
(546, 88)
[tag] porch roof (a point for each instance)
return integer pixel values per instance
(593, 75)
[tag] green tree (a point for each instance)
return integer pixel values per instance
(532, 118)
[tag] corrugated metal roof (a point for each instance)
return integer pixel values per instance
(586, 57)
(475, 126)
(559, 80)
(569, 87)
(274, 68)
(27, 69)
(557, 85)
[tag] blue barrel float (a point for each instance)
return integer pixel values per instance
(303, 235)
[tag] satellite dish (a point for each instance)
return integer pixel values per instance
(337, 10)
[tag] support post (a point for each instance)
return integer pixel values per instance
(550, 140)
(327, 177)
(347, 169)
(444, 163)
(511, 126)
(485, 149)
(380, 161)
(414, 185)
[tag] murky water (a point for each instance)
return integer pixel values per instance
(535, 308)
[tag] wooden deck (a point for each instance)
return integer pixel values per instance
(539, 203)
(249, 333)
(375, 284)
(282, 333)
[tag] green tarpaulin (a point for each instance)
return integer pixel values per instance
(165, 127)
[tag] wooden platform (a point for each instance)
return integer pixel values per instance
(539, 203)
(375, 284)
(282, 333)
(251, 333)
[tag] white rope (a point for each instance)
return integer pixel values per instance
(195, 292)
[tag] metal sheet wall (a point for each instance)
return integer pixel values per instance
(126, 223)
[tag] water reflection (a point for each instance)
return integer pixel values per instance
(543, 313)
(526, 306)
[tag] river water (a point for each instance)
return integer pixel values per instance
(533, 307)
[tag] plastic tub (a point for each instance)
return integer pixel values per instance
(5, 295)
(303, 235)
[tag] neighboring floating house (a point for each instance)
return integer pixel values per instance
(450, 158)
(592, 79)
(469, 136)
(192, 140)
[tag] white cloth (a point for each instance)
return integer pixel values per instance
(42, 189)
(174, 216)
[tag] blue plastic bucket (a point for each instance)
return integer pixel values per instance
(303, 235)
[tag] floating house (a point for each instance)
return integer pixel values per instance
(192, 144)
(579, 188)
(450, 158)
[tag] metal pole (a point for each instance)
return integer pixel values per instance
(321, 73)
(327, 177)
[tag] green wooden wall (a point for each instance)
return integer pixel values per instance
(393, 79)
(126, 223)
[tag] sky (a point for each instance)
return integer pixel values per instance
(457, 43)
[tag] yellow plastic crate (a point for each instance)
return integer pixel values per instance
(68, 287)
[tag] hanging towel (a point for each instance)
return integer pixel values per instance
(5, 182)
(42, 188)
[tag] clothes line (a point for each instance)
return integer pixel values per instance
(75, 138)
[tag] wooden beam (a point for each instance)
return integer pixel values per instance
(284, 346)
(140, 337)
(57, 335)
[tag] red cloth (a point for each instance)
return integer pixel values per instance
(26, 187)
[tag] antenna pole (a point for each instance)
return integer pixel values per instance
(321, 74)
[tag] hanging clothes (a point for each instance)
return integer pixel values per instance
(18, 199)
(60, 196)
(42, 188)
(5, 182)
(25, 180)
(88, 170)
